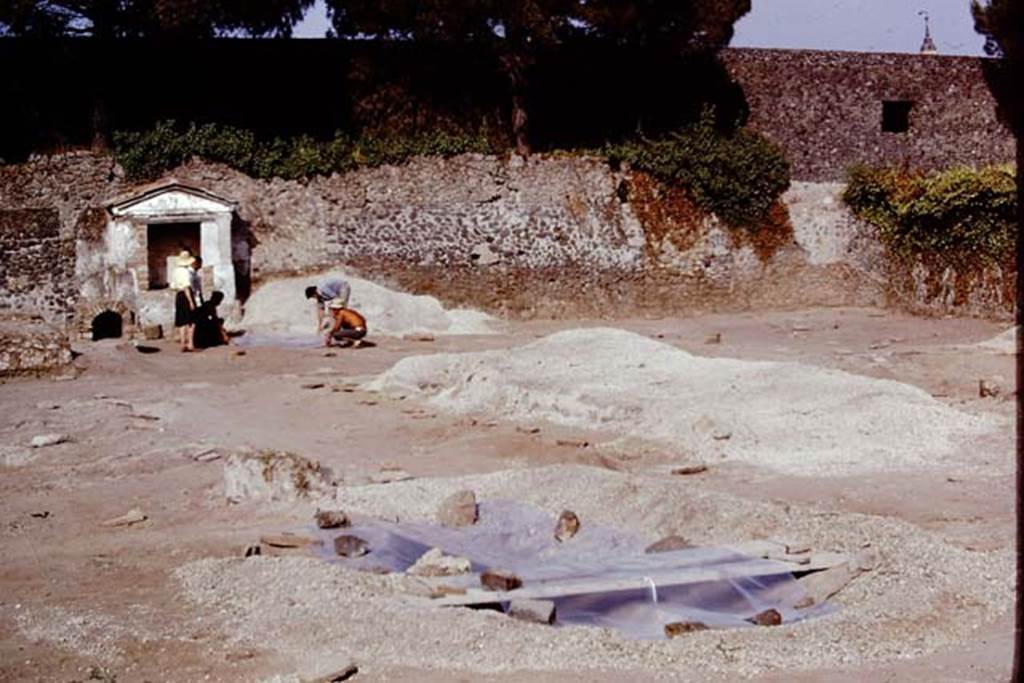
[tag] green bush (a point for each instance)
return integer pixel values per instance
(147, 154)
(737, 176)
(960, 215)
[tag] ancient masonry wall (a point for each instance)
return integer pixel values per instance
(825, 109)
(37, 263)
(547, 236)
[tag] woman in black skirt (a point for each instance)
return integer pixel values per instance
(184, 301)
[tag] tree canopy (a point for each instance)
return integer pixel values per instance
(516, 30)
(150, 18)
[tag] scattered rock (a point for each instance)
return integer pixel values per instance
(390, 475)
(435, 563)
(40, 515)
(152, 332)
(238, 352)
(350, 546)
(133, 516)
(668, 544)
(678, 628)
(47, 405)
(443, 591)
(574, 444)
(459, 509)
(253, 550)
(338, 673)
(500, 580)
(568, 525)
(769, 617)
(797, 547)
(528, 430)
(313, 385)
(43, 440)
(273, 475)
(537, 611)
(207, 456)
(720, 434)
(801, 327)
(716, 338)
(989, 388)
(689, 469)
(330, 519)
(419, 337)
(288, 541)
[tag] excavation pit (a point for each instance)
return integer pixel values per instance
(601, 577)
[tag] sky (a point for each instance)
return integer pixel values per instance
(859, 25)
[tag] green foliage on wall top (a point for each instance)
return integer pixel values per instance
(738, 176)
(147, 154)
(961, 215)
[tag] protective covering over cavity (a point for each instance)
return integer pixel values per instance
(520, 539)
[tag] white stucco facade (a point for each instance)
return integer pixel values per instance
(169, 205)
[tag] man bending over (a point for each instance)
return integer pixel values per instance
(329, 294)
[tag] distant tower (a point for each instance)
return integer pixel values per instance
(928, 46)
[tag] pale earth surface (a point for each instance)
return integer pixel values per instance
(920, 467)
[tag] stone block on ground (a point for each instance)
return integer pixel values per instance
(668, 544)
(459, 509)
(350, 546)
(29, 346)
(288, 541)
(336, 670)
(331, 519)
(537, 611)
(769, 617)
(678, 628)
(500, 580)
(133, 516)
(568, 525)
(272, 475)
(44, 440)
(435, 563)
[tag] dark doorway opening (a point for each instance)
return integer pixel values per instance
(896, 116)
(107, 325)
(165, 240)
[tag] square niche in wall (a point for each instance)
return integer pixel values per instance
(896, 116)
(166, 240)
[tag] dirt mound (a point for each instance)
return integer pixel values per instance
(1003, 343)
(792, 417)
(279, 307)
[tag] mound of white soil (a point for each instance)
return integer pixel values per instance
(280, 307)
(1003, 343)
(791, 417)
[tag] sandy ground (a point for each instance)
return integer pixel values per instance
(172, 599)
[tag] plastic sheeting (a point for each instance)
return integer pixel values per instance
(520, 539)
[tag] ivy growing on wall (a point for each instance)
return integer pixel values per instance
(960, 216)
(738, 175)
(146, 154)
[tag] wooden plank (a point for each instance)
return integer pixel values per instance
(661, 577)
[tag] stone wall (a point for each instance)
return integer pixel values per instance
(36, 263)
(825, 109)
(30, 346)
(547, 236)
